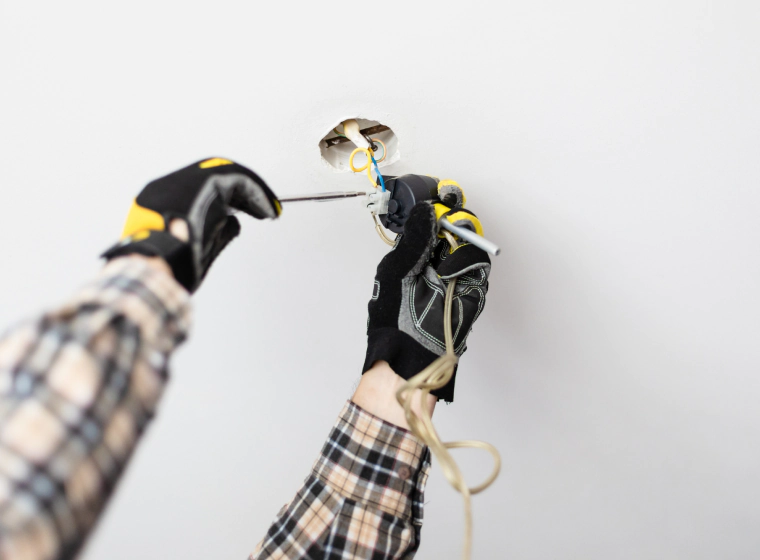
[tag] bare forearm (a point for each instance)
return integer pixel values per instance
(376, 394)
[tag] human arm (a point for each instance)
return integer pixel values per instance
(79, 384)
(364, 495)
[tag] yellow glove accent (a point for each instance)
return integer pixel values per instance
(459, 219)
(141, 219)
(440, 210)
(451, 184)
(140, 235)
(214, 162)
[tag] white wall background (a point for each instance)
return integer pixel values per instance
(611, 148)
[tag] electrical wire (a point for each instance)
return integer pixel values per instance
(385, 149)
(435, 376)
(381, 232)
(367, 166)
(382, 181)
(370, 163)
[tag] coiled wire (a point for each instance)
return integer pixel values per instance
(435, 376)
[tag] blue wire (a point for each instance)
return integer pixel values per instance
(382, 182)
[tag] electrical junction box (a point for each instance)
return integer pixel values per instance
(336, 150)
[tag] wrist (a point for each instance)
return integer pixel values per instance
(406, 355)
(376, 394)
(166, 251)
(156, 263)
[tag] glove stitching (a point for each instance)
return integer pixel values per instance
(461, 318)
(481, 298)
(427, 308)
(481, 305)
(466, 270)
(416, 324)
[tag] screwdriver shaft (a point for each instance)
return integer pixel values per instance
(324, 197)
(463, 233)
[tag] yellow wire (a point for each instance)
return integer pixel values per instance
(367, 166)
(435, 376)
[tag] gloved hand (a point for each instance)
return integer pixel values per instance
(406, 310)
(201, 194)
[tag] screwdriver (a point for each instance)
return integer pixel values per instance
(462, 233)
(324, 197)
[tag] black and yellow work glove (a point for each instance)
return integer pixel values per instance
(406, 310)
(202, 195)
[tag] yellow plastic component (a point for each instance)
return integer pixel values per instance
(278, 207)
(140, 219)
(214, 162)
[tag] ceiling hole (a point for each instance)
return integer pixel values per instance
(336, 152)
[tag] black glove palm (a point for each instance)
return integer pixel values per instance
(406, 310)
(202, 195)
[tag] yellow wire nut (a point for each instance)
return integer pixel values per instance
(367, 166)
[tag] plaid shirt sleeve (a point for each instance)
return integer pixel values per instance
(77, 388)
(363, 497)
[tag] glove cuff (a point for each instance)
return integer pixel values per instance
(405, 356)
(177, 254)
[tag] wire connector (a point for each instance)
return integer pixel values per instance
(377, 201)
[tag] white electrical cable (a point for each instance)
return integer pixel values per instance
(351, 130)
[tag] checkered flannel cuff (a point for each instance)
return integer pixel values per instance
(363, 498)
(375, 463)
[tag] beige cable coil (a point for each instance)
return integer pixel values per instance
(435, 376)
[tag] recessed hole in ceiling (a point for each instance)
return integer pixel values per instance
(336, 150)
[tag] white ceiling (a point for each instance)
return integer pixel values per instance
(610, 148)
